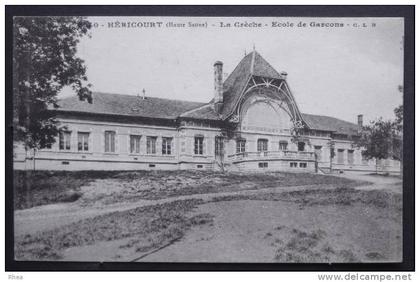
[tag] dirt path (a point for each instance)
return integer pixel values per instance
(389, 183)
(245, 230)
(52, 216)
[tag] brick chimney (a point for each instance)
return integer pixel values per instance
(218, 86)
(360, 121)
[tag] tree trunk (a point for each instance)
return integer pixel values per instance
(34, 160)
(26, 100)
(26, 183)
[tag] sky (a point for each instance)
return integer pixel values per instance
(335, 71)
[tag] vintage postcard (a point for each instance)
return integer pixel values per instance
(208, 139)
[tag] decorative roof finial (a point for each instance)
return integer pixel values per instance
(144, 93)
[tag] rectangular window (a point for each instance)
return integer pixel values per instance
(302, 165)
(293, 164)
(198, 145)
(218, 146)
(282, 145)
(350, 156)
(166, 146)
(318, 152)
(240, 146)
(83, 141)
(340, 156)
(64, 142)
(151, 145)
(262, 145)
(135, 144)
(262, 165)
(109, 141)
(301, 146)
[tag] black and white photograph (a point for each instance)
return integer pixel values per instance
(194, 139)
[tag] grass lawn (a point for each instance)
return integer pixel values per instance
(107, 187)
(152, 227)
(339, 224)
(36, 188)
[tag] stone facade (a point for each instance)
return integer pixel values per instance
(252, 123)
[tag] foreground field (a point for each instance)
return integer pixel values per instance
(108, 187)
(215, 217)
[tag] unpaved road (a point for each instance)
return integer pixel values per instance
(52, 216)
(243, 231)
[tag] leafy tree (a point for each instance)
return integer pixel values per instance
(381, 139)
(384, 139)
(377, 139)
(44, 61)
(399, 113)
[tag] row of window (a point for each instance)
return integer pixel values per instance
(292, 165)
(295, 164)
(109, 137)
(262, 145)
(340, 156)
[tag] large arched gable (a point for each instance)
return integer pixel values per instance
(274, 92)
(266, 115)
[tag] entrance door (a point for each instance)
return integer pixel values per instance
(318, 153)
(218, 147)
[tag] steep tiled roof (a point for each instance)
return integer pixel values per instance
(251, 64)
(204, 112)
(117, 104)
(327, 123)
